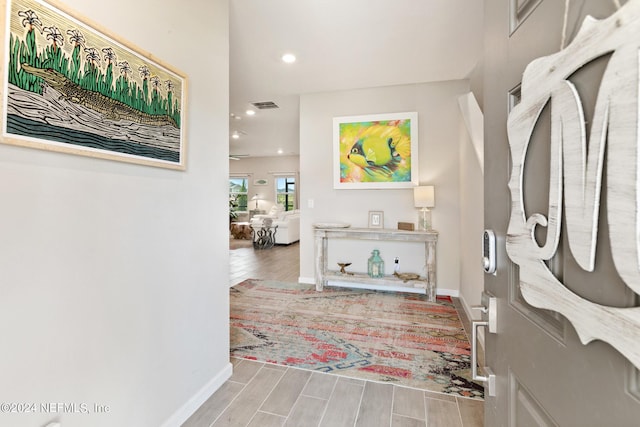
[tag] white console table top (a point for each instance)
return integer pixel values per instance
(378, 234)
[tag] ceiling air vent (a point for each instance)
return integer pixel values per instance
(265, 105)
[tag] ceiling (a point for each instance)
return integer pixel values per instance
(339, 45)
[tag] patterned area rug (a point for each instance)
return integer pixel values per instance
(395, 338)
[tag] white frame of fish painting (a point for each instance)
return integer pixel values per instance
(395, 133)
(69, 85)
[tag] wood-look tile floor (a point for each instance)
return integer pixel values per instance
(265, 395)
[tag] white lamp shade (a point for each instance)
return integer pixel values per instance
(424, 197)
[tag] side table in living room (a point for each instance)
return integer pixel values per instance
(241, 230)
(264, 237)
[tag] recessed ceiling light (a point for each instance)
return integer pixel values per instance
(251, 113)
(280, 151)
(235, 135)
(289, 58)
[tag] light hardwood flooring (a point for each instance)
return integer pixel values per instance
(265, 395)
(281, 262)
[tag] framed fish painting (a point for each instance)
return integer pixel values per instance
(69, 85)
(376, 151)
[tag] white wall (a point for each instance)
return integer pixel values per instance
(471, 201)
(113, 284)
(471, 225)
(264, 168)
(440, 127)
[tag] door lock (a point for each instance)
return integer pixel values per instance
(489, 251)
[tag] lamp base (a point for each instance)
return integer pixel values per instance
(424, 219)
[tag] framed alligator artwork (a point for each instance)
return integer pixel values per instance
(70, 86)
(375, 151)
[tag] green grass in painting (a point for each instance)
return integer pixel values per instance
(89, 77)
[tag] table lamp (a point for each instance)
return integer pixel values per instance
(256, 198)
(424, 198)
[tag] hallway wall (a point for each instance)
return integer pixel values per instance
(113, 284)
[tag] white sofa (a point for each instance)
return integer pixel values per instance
(288, 223)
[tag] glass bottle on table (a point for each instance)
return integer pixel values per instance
(375, 265)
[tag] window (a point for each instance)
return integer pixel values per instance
(286, 192)
(238, 187)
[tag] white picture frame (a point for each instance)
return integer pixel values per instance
(359, 157)
(376, 219)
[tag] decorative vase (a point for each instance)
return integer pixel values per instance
(424, 220)
(375, 266)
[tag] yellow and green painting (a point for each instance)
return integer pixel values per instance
(69, 86)
(376, 151)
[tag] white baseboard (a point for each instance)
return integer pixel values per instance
(448, 292)
(470, 315)
(467, 307)
(192, 405)
(307, 280)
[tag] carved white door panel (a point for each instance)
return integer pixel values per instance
(564, 135)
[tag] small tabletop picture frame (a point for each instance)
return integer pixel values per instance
(376, 219)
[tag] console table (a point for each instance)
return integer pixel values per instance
(326, 277)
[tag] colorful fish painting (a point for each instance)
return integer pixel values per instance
(377, 150)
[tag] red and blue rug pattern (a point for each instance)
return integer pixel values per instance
(398, 338)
